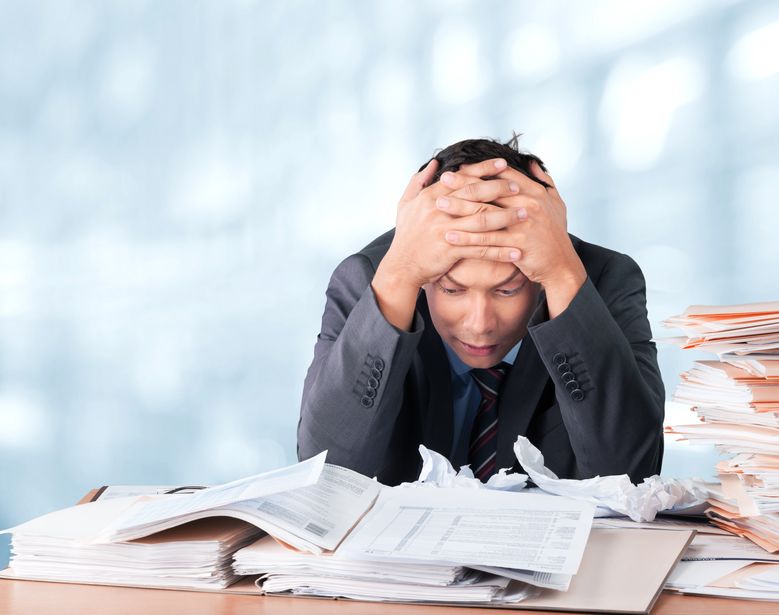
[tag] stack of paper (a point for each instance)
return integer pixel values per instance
(57, 547)
(438, 545)
(334, 575)
(737, 401)
(335, 533)
(731, 331)
(726, 566)
(188, 540)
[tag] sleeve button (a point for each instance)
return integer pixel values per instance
(373, 383)
(572, 385)
(366, 402)
(370, 392)
(375, 373)
(568, 376)
(378, 363)
(564, 367)
(577, 395)
(558, 358)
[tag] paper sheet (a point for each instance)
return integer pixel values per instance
(474, 527)
(321, 514)
(687, 575)
(161, 512)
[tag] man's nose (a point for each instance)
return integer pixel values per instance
(480, 318)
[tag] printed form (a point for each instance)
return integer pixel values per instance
(479, 527)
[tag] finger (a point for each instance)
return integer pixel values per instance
(463, 207)
(420, 180)
(489, 253)
(485, 168)
(539, 173)
(535, 180)
(490, 220)
(488, 238)
(486, 191)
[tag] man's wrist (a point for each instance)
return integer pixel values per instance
(396, 295)
(563, 287)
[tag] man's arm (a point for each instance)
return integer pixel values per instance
(602, 340)
(341, 411)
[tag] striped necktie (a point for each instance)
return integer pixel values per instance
(484, 434)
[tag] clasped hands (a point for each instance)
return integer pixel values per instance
(507, 217)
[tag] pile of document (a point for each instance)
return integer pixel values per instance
(188, 541)
(439, 545)
(315, 529)
(199, 555)
(737, 400)
(359, 539)
(726, 565)
(334, 575)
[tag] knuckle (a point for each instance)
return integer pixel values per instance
(484, 252)
(483, 219)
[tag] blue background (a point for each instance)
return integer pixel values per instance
(178, 179)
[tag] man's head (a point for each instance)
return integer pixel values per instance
(476, 150)
(481, 308)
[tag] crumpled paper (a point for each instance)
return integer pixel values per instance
(639, 502)
(612, 494)
(438, 472)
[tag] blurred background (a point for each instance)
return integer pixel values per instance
(178, 180)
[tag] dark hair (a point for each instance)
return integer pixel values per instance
(477, 150)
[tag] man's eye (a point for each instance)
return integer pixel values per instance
(507, 292)
(449, 291)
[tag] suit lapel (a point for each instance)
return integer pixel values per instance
(438, 426)
(519, 399)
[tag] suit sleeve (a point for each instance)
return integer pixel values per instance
(353, 390)
(603, 364)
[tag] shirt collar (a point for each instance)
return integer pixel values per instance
(461, 369)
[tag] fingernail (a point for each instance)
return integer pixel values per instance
(514, 255)
(514, 186)
(442, 203)
(448, 178)
(452, 237)
(522, 213)
(500, 163)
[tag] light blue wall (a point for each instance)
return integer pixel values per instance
(179, 178)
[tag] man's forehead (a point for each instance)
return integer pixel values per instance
(479, 273)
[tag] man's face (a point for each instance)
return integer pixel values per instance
(481, 309)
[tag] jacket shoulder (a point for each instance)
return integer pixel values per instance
(595, 258)
(377, 248)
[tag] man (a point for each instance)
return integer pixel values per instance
(479, 318)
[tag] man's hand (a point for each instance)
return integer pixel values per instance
(546, 254)
(420, 252)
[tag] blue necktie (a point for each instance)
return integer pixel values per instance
(484, 434)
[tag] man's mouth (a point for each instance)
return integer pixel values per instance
(478, 351)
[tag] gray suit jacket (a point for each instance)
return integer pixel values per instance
(374, 393)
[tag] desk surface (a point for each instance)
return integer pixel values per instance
(34, 598)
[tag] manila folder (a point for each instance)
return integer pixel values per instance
(623, 571)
